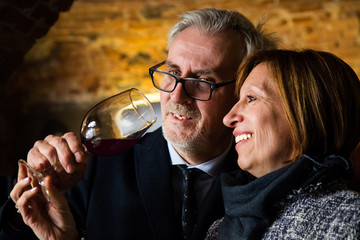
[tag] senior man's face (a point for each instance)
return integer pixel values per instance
(194, 126)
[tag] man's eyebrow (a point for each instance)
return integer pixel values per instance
(171, 64)
(204, 72)
(198, 72)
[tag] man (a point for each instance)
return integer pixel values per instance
(138, 194)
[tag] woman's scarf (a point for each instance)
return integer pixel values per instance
(250, 202)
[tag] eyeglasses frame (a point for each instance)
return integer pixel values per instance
(212, 85)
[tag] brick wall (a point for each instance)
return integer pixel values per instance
(98, 47)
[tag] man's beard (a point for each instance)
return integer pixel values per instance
(193, 142)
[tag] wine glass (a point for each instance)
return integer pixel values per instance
(117, 123)
(37, 178)
(112, 126)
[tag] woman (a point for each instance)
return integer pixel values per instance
(295, 124)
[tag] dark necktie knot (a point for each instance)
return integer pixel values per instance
(189, 173)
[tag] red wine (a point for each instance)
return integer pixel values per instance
(107, 147)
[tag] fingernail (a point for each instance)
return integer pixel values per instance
(26, 179)
(33, 189)
(78, 156)
(85, 148)
(69, 168)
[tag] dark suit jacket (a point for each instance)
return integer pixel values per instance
(129, 196)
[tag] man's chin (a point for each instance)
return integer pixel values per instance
(191, 141)
(177, 137)
(181, 145)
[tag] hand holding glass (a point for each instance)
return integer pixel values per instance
(110, 127)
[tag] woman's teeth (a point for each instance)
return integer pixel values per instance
(243, 137)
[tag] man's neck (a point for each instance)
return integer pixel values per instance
(196, 158)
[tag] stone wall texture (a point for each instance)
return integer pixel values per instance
(58, 57)
(100, 47)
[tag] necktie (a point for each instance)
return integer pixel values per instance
(189, 209)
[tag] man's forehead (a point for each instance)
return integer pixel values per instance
(199, 53)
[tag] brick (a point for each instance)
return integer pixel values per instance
(153, 12)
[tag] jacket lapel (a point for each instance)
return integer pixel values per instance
(153, 173)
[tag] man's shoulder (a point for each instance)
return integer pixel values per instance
(152, 140)
(155, 135)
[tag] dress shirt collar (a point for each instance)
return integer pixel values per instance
(211, 167)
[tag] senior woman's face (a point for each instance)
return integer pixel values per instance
(262, 132)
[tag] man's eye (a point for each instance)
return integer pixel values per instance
(174, 72)
(208, 80)
(250, 98)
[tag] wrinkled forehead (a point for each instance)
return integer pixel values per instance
(220, 52)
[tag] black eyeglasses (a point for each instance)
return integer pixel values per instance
(199, 89)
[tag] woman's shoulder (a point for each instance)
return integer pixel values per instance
(318, 211)
(213, 232)
(334, 195)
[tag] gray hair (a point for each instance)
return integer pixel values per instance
(213, 21)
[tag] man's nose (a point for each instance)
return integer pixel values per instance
(179, 95)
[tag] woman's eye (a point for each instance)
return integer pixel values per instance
(250, 98)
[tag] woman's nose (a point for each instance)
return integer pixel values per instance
(233, 117)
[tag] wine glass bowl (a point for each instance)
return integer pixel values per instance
(115, 124)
